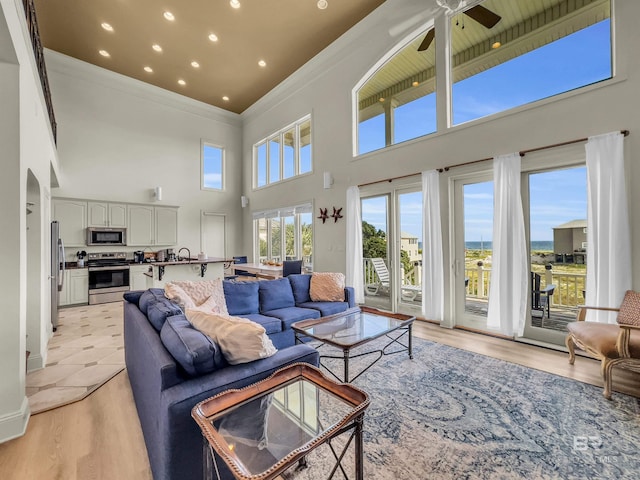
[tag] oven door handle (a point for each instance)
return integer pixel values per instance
(111, 267)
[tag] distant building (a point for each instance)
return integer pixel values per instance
(570, 241)
(409, 243)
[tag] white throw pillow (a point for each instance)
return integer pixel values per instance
(205, 294)
(240, 340)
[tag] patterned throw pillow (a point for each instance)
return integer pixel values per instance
(239, 339)
(207, 295)
(327, 287)
(630, 309)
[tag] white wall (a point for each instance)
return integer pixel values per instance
(323, 87)
(118, 138)
(27, 146)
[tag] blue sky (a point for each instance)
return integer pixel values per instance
(556, 197)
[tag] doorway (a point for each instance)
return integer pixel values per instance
(376, 252)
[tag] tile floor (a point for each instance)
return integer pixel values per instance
(85, 352)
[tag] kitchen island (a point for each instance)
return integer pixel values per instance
(187, 269)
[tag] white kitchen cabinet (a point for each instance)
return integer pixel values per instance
(141, 229)
(75, 290)
(138, 279)
(72, 216)
(103, 214)
(152, 226)
(166, 225)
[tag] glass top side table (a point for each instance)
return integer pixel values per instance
(262, 430)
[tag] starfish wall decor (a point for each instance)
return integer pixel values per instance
(323, 214)
(336, 214)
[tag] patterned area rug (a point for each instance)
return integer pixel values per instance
(452, 414)
(86, 351)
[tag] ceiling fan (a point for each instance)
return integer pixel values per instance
(480, 14)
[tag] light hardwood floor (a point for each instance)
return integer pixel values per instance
(100, 437)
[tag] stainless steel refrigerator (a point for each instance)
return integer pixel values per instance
(57, 271)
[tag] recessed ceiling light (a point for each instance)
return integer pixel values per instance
(106, 26)
(104, 53)
(496, 45)
(381, 99)
(235, 3)
(415, 84)
(148, 69)
(262, 63)
(182, 82)
(156, 47)
(195, 64)
(225, 98)
(169, 16)
(213, 37)
(322, 4)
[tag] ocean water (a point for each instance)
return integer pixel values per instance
(536, 245)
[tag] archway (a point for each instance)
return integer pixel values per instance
(37, 329)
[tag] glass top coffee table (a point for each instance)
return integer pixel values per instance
(356, 327)
(262, 430)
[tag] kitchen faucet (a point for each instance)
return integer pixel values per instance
(188, 254)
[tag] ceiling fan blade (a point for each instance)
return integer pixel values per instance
(483, 16)
(428, 38)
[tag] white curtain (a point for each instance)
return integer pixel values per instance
(608, 230)
(432, 265)
(509, 267)
(354, 276)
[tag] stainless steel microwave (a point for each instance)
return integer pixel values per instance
(106, 236)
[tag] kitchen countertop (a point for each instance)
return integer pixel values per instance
(192, 261)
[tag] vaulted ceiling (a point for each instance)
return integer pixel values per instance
(225, 43)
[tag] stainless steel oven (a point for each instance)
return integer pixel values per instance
(108, 277)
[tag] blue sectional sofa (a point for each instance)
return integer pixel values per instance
(172, 366)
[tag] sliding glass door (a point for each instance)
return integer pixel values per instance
(376, 252)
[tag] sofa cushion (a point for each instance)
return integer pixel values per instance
(157, 307)
(291, 315)
(270, 324)
(196, 353)
(275, 294)
(326, 308)
(327, 287)
(240, 339)
(241, 297)
(300, 284)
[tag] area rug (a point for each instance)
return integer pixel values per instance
(452, 414)
(85, 352)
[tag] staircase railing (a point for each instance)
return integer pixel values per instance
(34, 34)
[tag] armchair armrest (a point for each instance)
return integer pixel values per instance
(582, 311)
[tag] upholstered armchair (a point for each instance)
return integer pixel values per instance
(614, 345)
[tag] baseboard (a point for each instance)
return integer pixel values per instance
(35, 362)
(14, 424)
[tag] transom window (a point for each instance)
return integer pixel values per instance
(503, 54)
(212, 167)
(283, 155)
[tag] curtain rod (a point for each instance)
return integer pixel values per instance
(522, 154)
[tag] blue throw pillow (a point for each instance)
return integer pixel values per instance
(157, 307)
(196, 353)
(133, 296)
(275, 294)
(241, 297)
(301, 285)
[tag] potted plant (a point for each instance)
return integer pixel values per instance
(81, 254)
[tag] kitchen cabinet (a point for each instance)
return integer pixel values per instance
(152, 226)
(138, 279)
(72, 216)
(75, 290)
(166, 225)
(103, 214)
